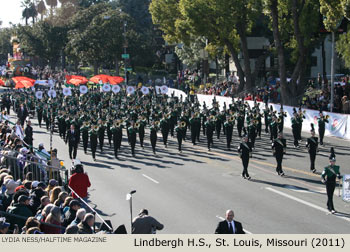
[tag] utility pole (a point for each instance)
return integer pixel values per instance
(332, 72)
(125, 52)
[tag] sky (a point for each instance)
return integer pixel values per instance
(10, 11)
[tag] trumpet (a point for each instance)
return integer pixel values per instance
(156, 123)
(326, 117)
(231, 119)
(183, 124)
(137, 125)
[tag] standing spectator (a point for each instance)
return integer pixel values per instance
(229, 226)
(80, 183)
(145, 224)
(28, 135)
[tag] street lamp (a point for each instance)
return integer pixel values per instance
(129, 197)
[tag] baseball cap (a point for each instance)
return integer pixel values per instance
(23, 198)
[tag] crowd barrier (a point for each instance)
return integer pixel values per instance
(338, 125)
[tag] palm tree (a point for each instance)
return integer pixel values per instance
(26, 11)
(52, 4)
(41, 9)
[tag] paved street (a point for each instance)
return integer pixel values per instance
(190, 192)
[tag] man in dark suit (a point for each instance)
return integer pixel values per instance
(72, 139)
(229, 226)
(22, 114)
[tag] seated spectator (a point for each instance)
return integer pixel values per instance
(31, 222)
(70, 215)
(54, 194)
(54, 218)
(36, 194)
(61, 197)
(4, 226)
(21, 209)
(65, 206)
(44, 201)
(72, 230)
(79, 217)
(46, 211)
(34, 230)
(85, 227)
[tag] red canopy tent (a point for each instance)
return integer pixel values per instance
(76, 80)
(23, 82)
(113, 80)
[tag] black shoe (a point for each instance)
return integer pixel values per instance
(282, 174)
(333, 211)
(248, 177)
(243, 176)
(95, 159)
(313, 171)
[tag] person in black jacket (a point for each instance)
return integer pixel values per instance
(312, 145)
(72, 138)
(229, 226)
(70, 215)
(28, 135)
(22, 114)
(245, 150)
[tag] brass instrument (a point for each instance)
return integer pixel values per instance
(196, 114)
(136, 125)
(231, 119)
(95, 127)
(326, 117)
(156, 123)
(183, 124)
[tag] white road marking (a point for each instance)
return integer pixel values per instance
(245, 230)
(304, 202)
(153, 180)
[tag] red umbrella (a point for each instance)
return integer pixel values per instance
(106, 79)
(2, 82)
(76, 79)
(23, 82)
(117, 79)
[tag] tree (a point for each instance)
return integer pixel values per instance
(5, 44)
(44, 40)
(41, 9)
(88, 3)
(227, 23)
(190, 54)
(96, 35)
(29, 11)
(295, 28)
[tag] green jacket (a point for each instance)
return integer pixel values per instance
(21, 210)
(331, 172)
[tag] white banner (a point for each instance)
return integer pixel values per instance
(338, 125)
(346, 187)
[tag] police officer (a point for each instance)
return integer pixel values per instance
(329, 175)
(312, 145)
(245, 152)
(279, 149)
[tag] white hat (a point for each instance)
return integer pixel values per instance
(24, 150)
(35, 184)
(10, 186)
